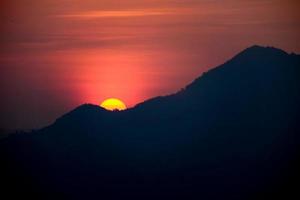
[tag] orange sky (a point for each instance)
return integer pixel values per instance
(56, 55)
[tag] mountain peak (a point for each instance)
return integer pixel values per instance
(258, 52)
(83, 112)
(259, 47)
(88, 106)
(251, 63)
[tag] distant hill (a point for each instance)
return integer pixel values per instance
(233, 133)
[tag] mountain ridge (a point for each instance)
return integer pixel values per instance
(232, 133)
(248, 52)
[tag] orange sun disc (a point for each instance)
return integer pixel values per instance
(113, 104)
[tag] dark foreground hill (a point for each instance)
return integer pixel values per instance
(233, 133)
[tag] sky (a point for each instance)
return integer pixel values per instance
(57, 55)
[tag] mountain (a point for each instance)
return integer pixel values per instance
(233, 133)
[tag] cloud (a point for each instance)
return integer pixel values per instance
(117, 13)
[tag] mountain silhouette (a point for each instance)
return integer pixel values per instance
(233, 133)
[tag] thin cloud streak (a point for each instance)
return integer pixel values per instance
(116, 14)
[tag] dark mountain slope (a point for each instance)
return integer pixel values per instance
(232, 133)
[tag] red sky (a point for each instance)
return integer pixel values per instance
(56, 55)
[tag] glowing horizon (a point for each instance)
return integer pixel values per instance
(55, 55)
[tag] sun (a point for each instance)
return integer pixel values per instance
(113, 104)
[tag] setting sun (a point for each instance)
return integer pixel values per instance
(113, 104)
